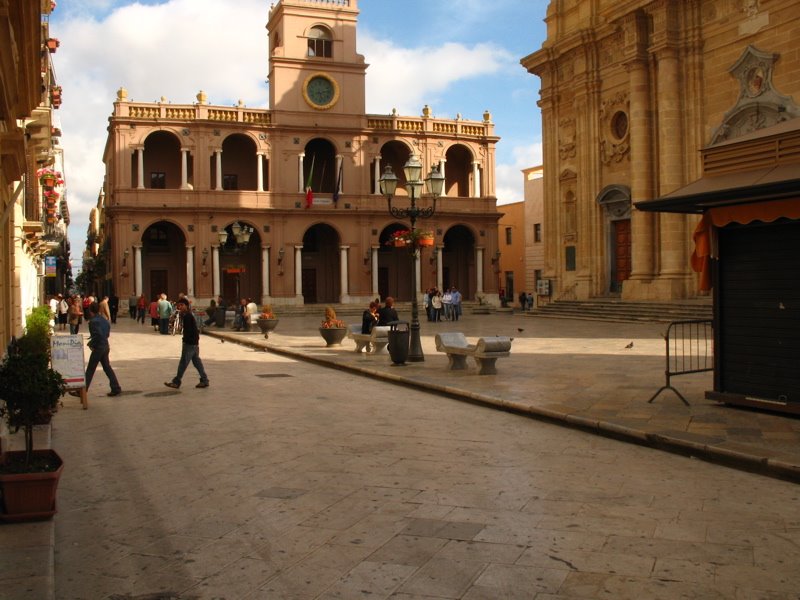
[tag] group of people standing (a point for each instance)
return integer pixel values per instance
(442, 306)
(73, 309)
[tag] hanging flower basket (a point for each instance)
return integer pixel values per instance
(425, 241)
(49, 177)
(52, 44)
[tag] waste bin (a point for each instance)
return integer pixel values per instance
(219, 317)
(398, 341)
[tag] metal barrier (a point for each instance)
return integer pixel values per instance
(689, 350)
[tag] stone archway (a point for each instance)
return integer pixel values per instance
(240, 264)
(458, 261)
(321, 268)
(394, 266)
(615, 201)
(163, 260)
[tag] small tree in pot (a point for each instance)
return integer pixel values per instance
(30, 389)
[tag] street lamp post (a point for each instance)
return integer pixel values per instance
(434, 183)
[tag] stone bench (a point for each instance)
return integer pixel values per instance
(485, 352)
(374, 342)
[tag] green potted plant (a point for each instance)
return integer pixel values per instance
(30, 390)
(267, 321)
(332, 329)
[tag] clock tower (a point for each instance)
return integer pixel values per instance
(313, 63)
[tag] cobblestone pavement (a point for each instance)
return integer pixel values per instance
(287, 479)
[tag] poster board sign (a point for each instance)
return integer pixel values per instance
(66, 357)
(49, 266)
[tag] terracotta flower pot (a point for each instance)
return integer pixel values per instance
(30, 496)
(48, 181)
(399, 243)
(425, 241)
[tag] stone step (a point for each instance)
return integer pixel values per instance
(616, 310)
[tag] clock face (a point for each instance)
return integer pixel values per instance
(321, 91)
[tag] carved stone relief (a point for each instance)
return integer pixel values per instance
(759, 105)
(566, 139)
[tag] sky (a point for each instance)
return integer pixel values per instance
(456, 56)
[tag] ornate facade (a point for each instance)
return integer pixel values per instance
(631, 91)
(283, 205)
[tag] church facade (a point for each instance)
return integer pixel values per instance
(631, 91)
(283, 205)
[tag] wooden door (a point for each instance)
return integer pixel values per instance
(621, 268)
(158, 283)
(309, 286)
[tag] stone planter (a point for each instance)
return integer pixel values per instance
(266, 325)
(333, 336)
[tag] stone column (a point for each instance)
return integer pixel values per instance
(442, 164)
(265, 274)
(190, 271)
(417, 277)
(184, 168)
(298, 272)
(476, 180)
(674, 261)
(343, 274)
(376, 167)
(478, 269)
(137, 266)
(259, 172)
(218, 184)
(439, 267)
(301, 185)
(215, 270)
(642, 231)
(140, 168)
(374, 263)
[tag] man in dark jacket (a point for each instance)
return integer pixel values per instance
(190, 351)
(387, 313)
(99, 330)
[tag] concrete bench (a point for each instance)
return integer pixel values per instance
(485, 352)
(374, 342)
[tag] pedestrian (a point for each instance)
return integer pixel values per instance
(387, 313)
(241, 319)
(436, 305)
(529, 301)
(447, 304)
(141, 308)
(210, 313)
(369, 318)
(99, 331)
(75, 314)
(523, 299)
(456, 299)
(190, 349)
(105, 311)
(153, 312)
(164, 311)
(133, 308)
(113, 305)
(63, 313)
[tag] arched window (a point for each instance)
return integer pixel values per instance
(320, 42)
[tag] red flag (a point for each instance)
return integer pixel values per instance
(309, 191)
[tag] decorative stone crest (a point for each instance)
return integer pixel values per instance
(759, 105)
(615, 132)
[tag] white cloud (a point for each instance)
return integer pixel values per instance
(510, 183)
(172, 49)
(408, 78)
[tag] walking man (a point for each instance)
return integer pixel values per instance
(190, 350)
(164, 311)
(99, 330)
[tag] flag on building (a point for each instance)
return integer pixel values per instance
(309, 191)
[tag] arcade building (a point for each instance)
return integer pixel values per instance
(283, 205)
